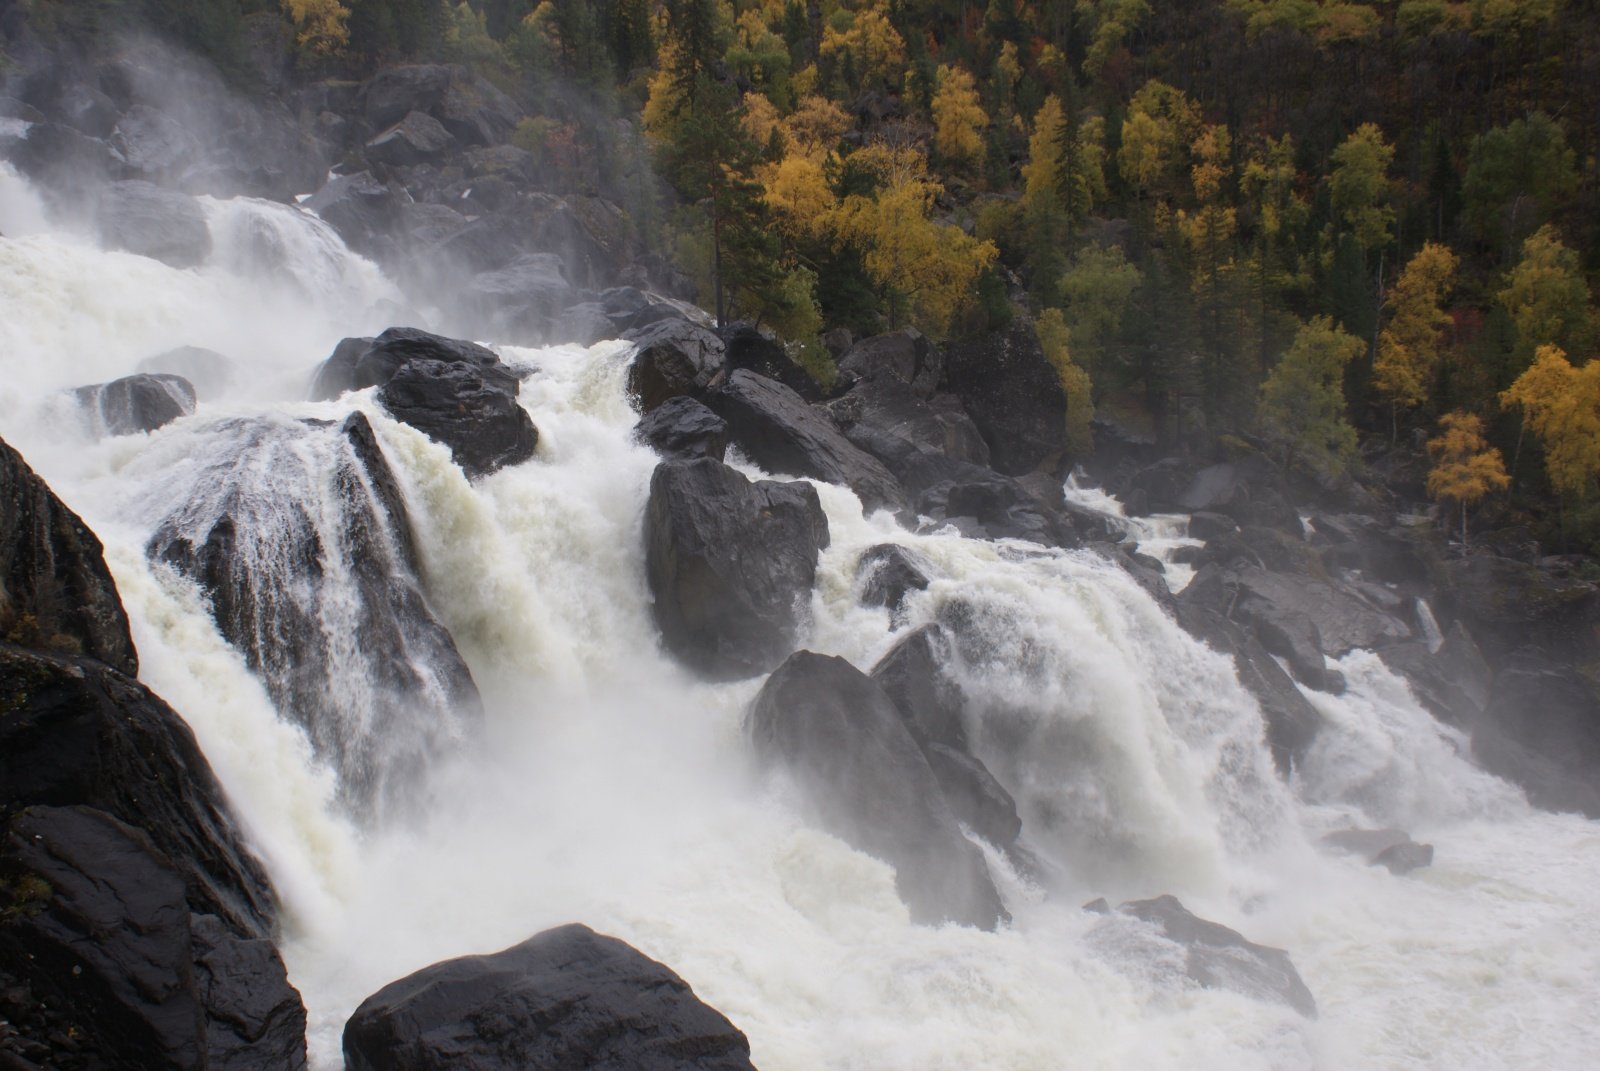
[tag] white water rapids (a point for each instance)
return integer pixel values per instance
(619, 792)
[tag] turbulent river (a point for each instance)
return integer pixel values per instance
(614, 789)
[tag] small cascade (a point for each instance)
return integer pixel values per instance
(268, 240)
(297, 535)
(1429, 626)
(1158, 535)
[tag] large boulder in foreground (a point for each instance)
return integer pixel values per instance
(55, 590)
(731, 564)
(780, 432)
(847, 745)
(567, 998)
(1219, 958)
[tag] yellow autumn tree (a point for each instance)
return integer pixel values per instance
(872, 43)
(1408, 348)
(1161, 124)
(1562, 406)
(796, 187)
(1054, 339)
(926, 268)
(1465, 466)
(958, 119)
(320, 25)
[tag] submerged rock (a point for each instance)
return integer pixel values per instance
(137, 403)
(298, 535)
(567, 998)
(888, 573)
(1220, 958)
(847, 745)
(731, 565)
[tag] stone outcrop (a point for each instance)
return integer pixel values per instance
(731, 565)
(566, 998)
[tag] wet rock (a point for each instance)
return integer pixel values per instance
(414, 139)
(138, 403)
(844, 740)
(913, 675)
(1392, 849)
(395, 92)
(209, 372)
(1508, 603)
(1404, 858)
(67, 166)
(566, 998)
(155, 146)
(938, 425)
(1220, 958)
(681, 429)
(1203, 525)
(103, 926)
(152, 222)
(583, 324)
(977, 800)
(298, 536)
(731, 565)
(1541, 729)
(749, 348)
(1013, 395)
(56, 593)
(778, 431)
(473, 414)
(887, 573)
(674, 357)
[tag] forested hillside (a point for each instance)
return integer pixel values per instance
(1297, 223)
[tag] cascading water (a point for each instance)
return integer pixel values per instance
(616, 789)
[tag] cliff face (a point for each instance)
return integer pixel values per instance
(134, 920)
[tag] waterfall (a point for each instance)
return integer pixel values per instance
(607, 785)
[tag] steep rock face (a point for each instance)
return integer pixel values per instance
(99, 924)
(523, 300)
(1014, 396)
(748, 348)
(778, 431)
(904, 356)
(846, 743)
(566, 998)
(298, 535)
(55, 590)
(1541, 729)
(731, 564)
(132, 404)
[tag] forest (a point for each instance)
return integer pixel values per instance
(1340, 232)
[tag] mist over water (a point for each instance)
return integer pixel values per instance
(613, 788)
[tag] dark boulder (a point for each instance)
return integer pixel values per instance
(414, 139)
(154, 145)
(337, 373)
(888, 407)
(386, 693)
(582, 324)
(977, 800)
(395, 92)
(55, 590)
(67, 166)
(749, 348)
(731, 565)
(567, 998)
(1392, 849)
(887, 573)
(905, 356)
(681, 429)
(1404, 858)
(209, 372)
(914, 677)
(1203, 525)
(1220, 958)
(674, 357)
(152, 222)
(358, 363)
(365, 211)
(1014, 396)
(456, 404)
(137, 403)
(99, 924)
(778, 431)
(846, 743)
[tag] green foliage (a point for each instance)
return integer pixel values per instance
(1053, 340)
(1098, 290)
(1548, 298)
(1359, 186)
(1517, 175)
(1302, 408)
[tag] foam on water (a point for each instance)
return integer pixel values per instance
(618, 791)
